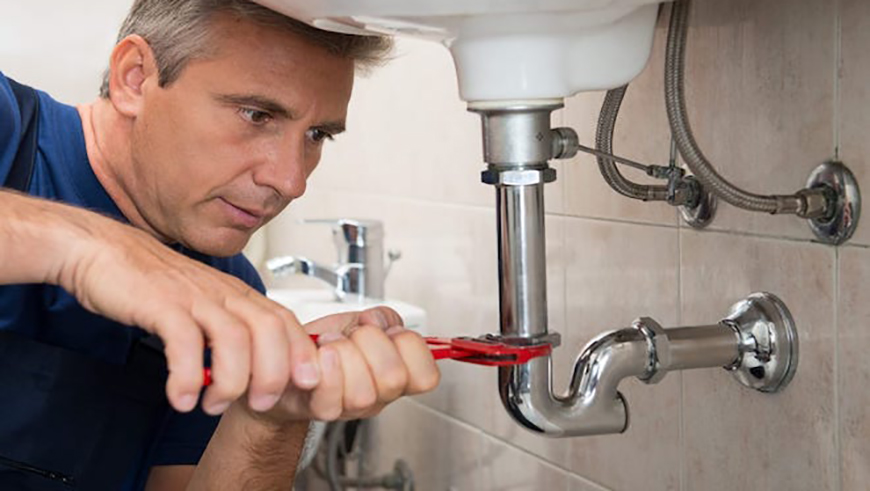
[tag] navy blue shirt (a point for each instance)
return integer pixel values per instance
(49, 314)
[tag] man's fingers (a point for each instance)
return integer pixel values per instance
(326, 400)
(346, 322)
(304, 362)
(183, 347)
(359, 387)
(383, 317)
(270, 347)
(423, 372)
(230, 342)
(384, 362)
(340, 322)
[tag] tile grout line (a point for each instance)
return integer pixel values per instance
(838, 444)
(838, 55)
(682, 432)
(620, 221)
(469, 427)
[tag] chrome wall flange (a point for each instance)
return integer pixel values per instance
(839, 225)
(703, 212)
(768, 342)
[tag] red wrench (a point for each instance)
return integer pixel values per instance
(485, 350)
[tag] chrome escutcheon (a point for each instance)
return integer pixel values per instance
(768, 342)
(839, 225)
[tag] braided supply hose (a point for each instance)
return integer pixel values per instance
(604, 143)
(695, 159)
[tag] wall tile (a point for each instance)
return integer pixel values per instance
(854, 377)
(615, 274)
(760, 92)
(408, 133)
(736, 438)
(854, 70)
(508, 468)
(576, 483)
(441, 453)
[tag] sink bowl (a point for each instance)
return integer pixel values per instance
(508, 50)
(311, 304)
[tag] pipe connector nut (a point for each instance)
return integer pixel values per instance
(565, 143)
(525, 177)
(659, 349)
(817, 203)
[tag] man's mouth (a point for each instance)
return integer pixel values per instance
(241, 216)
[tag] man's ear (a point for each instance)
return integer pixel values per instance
(131, 66)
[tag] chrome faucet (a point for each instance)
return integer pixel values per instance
(360, 271)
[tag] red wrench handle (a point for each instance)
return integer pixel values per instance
(479, 351)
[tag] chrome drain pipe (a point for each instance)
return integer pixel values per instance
(757, 341)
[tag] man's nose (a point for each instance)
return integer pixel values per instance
(284, 170)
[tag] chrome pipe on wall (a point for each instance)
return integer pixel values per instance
(522, 260)
(757, 340)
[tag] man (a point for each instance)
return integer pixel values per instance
(211, 117)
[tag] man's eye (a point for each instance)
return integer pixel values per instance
(318, 136)
(254, 116)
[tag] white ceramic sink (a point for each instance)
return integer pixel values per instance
(508, 49)
(311, 304)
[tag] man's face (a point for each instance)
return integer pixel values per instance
(225, 147)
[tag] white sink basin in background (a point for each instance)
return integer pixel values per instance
(311, 304)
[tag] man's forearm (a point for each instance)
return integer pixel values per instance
(37, 235)
(250, 453)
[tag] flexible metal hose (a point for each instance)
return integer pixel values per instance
(675, 101)
(401, 478)
(333, 441)
(604, 143)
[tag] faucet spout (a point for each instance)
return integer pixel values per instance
(338, 279)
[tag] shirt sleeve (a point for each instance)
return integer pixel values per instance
(10, 127)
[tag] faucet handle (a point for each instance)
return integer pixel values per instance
(353, 237)
(360, 247)
(393, 255)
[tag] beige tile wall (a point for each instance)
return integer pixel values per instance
(775, 87)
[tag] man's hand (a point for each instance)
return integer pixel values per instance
(124, 274)
(257, 345)
(368, 359)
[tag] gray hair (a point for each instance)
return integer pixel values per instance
(178, 31)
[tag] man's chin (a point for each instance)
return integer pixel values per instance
(225, 243)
